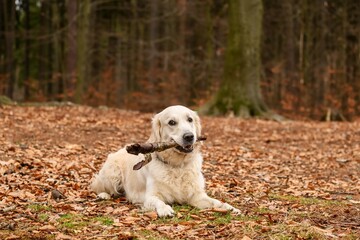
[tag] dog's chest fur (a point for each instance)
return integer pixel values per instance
(179, 183)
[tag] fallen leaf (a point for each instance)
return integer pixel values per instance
(12, 237)
(151, 215)
(47, 228)
(245, 238)
(61, 236)
(196, 217)
(219, 210)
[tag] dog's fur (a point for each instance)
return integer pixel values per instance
(173, 176)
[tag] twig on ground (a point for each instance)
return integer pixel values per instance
(9, 209)
(57, 195)
(106, 236)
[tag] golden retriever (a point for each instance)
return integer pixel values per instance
(173, 176)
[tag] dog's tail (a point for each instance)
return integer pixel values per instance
(104, 188)
(97, 185)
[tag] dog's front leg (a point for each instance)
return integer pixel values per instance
(162, 209)
(203, 201)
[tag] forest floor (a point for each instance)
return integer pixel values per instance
(291, 180)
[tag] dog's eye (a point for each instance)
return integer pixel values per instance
(172, 123)
(190, 119)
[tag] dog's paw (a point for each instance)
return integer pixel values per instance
(236, 211)
(232, 209)
(165, 211)
(104, 196)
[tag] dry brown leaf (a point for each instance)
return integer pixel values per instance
(245, 238)
(47, 228)
(61, 236)
(219, 210)
(151, 215)
(120, 210)
(196, 217)
(12, 237)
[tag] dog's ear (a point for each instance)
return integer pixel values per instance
(155, 135)
(197, 124)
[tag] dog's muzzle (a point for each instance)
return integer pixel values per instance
(188, 141)
(186, 149)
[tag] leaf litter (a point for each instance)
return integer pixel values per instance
(292, 179)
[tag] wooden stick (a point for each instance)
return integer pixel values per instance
(142, 163)
(147, 148)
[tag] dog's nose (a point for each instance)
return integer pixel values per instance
(189, 137)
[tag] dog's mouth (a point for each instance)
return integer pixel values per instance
(185, 149)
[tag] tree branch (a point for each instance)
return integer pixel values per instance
(147, 148)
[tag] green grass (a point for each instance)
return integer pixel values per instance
(41, 210)
(281, 237)
(263, 210)
(351, 237)
(39, 207)
(76, 221)
(223, 218)
(72, 221)
(150, 235)
(43, 217)
(299, 231)
(107, 221)
(305, 200)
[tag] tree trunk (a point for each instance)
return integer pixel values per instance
(83, 46)
(353, 50)
(121, 82)
(44, 48)
(239, 93)
(314, 58)
(8, 16)
(131, 48)
(153, 58)
(71, 54)
(27, 50)
(56, 53)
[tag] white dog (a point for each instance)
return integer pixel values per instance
(173, 176)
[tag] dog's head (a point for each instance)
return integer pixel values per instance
(176, 123)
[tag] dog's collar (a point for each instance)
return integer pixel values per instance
(157, 157)
(160, 159)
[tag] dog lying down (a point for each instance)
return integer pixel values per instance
(173, 176)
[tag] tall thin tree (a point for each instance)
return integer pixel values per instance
(8, 13)
(71, 54)
(83, 49)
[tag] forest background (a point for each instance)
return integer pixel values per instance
(145, 55)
